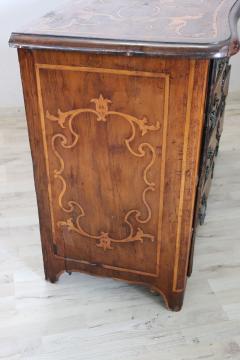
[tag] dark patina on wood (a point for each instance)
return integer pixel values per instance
(158, 27)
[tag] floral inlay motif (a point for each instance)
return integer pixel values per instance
(102, 113)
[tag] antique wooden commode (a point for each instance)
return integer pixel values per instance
(125, 104)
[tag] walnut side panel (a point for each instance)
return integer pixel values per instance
(115, 119)
(120, 138)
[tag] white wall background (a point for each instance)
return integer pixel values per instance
(16, 13)
(13, 15)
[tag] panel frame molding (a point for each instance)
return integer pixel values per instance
(160, 75)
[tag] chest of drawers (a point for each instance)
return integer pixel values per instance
(125, 105)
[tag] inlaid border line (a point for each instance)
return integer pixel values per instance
(183, 173)
(40, 105)
(200, 128)
(166, 77)
(163, 167)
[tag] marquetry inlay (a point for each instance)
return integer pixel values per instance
(157, 20)
(102, 113)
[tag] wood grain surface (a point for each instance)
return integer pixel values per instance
(116, 156)
(209, 27)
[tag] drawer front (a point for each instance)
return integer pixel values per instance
(213, 131)
(215, 106)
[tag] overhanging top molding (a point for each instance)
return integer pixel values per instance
(203, 28)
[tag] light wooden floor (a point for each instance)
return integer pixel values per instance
(87, 318)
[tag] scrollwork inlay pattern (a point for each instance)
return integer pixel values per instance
(102, 113)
